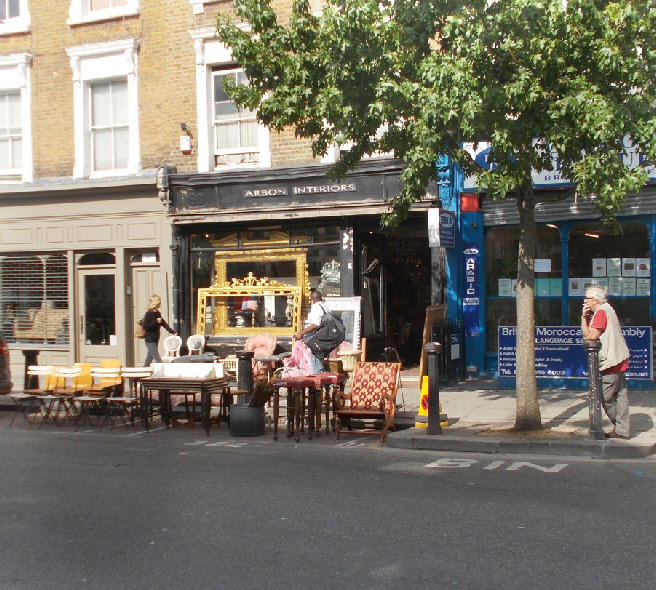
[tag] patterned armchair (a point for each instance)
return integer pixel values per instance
(372, 397)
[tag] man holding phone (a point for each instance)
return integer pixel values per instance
(599, 322)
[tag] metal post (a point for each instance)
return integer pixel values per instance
(433, 351)
(592, 347)
(245, 370)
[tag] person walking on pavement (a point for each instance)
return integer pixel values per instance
(151, 323)
(317, 311)
(599, 322)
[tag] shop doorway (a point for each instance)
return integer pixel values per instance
(146, 279)
(97, 314)
(396, 290)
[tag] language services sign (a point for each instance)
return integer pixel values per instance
(441, 228)
(559, 352)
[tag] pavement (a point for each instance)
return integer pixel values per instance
(481, 418)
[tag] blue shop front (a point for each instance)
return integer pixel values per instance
(573, 251)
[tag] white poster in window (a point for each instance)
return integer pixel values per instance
(615, 286)
(542, 265)
(643, 287)
(514, 287)
(575, 288)
(505, 288)
(598, 267)
(601, 282)
(586, 283)
(555, 287)
(614, 267)
(643, 267)
(628, 267)
(628, 287)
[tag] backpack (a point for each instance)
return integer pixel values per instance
(329, 335)
(140, 332)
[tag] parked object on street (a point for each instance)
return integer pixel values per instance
(372, 397)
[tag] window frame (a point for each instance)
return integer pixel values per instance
(15, 78)
(93, 64)
(212, 55)
(111, 126)
(17, 24)
(80, 12)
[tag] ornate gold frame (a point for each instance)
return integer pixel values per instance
(225, 287)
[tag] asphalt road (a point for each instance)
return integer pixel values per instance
(176, 510)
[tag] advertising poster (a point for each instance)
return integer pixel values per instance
(471, 301)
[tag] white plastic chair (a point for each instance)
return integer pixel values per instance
(196, 343)
(172, 345)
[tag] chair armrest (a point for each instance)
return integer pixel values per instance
(340, 400)
(392, 403)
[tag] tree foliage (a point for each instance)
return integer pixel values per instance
(540, 80)
(531, 77)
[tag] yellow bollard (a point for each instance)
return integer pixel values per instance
(421, 420)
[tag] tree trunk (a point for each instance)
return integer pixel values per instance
(528, 407)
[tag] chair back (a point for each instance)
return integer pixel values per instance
(84, 380)
(196, 343)
(62, 375)
(262, 345)
(371, 381)
(53, 380)
(41, 372)
(172, 346)
(110, 378)
(107, 379)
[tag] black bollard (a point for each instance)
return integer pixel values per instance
(433, 351)
(592, 347)
(245, 371)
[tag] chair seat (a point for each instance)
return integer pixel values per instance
(334, 377)
(294, 382)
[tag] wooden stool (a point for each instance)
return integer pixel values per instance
(322, 383)
(296, 387)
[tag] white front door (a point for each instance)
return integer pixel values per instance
(96, 328)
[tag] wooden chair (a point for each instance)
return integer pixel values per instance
(262, 345)
(372, 398)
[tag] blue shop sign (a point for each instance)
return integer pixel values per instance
(559, 352)
(472, 299)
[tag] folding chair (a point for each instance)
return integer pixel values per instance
(31, 401)
(106, 381)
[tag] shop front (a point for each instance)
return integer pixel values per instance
(249, 248)
(573, 252)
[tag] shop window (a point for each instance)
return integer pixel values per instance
(34, 298)
(501, 251)
(619, 261)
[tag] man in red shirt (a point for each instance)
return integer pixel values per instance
(599, 322)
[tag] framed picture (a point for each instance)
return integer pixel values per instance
(575, 287)
(643, 267)
(614, 267)
(347, 309)
(598, 267)
(628, 267)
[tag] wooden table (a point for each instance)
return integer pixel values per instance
(166, 385)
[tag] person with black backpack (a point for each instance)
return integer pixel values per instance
(323, 333)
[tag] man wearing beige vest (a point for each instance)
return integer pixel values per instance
(599, 322)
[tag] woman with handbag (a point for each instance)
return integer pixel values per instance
(151, 323)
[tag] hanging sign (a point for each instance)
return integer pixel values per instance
(441, 228)
(472, 299)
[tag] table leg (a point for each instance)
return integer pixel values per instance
(276, 412)
(318, 396)
(205, 408)
(291, 412)
(298, 400)
(327, 396)
(311, 406)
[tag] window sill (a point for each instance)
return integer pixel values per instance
(12, 27)
(103, 15)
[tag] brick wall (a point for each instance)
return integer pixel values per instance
(167, 80)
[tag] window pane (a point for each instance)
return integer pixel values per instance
(102, 149)
(121, 152)
(17, 153)
(225, 110)
(120, 103)
(219, 91)
(101, 4)
(100, 105)
(14, 8)
(15, 116)
(248, 134)
(226, 136)
(5, 162)
(4, 114)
